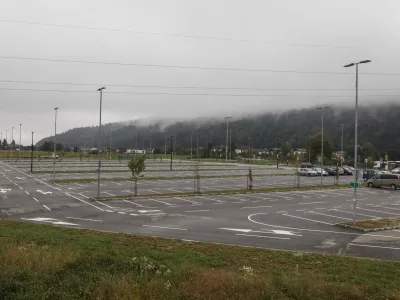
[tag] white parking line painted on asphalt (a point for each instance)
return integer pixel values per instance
(163, 202)
(315, 213)
(386, 207)
(127, 201)
(378, 211)
(300, 209)
(372, 246)
(46, 207)
(164, 227)
(235, 198)
(311, 220)
(91, 220)
(348, 212)
(317, 230)
(211, 199)
(201, 210)
(84, 201)
(194, 202)
(35, 199)
(263, 236)
(26, 192)
(306, 203)
(108, 193)
(256, 207)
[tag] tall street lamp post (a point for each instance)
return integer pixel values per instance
(356, 137)
(98, 150)
(19, 152)
(54, 146)
(32, 154)
(227, 141)
(341, 148)
(322, 136)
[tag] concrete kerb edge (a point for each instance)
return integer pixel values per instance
(367, 230)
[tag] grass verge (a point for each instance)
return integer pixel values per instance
(80, 180)
(127, 170)
(373, 225)
(48, 262)
(238, 191)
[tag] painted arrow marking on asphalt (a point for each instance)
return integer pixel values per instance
(44, 193)
(50, 220)
(283, 232)
(4, 190)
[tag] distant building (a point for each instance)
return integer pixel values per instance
(135, 151)
(299, 151)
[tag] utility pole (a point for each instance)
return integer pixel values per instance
(249, 147)
(170, 166)
(322, 136)
(230, 144)
(99, 143)
(191, 145)
(356, 138)
(165, 147)
(341, 149)
(19, 152)
(197, 148)
(54, 153)
(110, 141)
(12, 139)
(309, 149)
(227, 141)
(32, 154)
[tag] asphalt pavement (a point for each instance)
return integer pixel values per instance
(293, 220)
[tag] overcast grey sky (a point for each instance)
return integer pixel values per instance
(313, 35)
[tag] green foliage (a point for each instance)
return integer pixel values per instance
(286, 148)
(316, 147)
(137, 165)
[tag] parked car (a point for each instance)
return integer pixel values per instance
(330, 171)
(341, 171)
(307, 166)
(368, 174)
(385, 180)
(318, 170)
(396, 171)
(347, 171)
(308, 172)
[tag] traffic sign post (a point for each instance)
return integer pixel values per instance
(354, 184)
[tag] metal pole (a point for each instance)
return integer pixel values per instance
(341, 150)
(309, 149)
(230, 144)
(54, 152)
(227, 141)
(150, 150)
(99, 143)
(249, 147)
(110, 142)
(322, 142)
(32, 154)
(197, 148)
(165, 147)
(12, 139)
(355, 149)
(170, 166)
(19, 153)
(191, 146)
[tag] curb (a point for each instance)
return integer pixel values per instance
(367, 230)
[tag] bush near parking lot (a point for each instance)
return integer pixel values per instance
(48, 262)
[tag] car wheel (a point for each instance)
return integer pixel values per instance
(393, 187)
(370, 185)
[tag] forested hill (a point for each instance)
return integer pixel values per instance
(379, 131)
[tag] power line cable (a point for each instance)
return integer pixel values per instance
(191, 94)
(187, 67)
(173, 34)
(193, 87)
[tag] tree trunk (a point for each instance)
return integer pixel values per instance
(135, 186)
(131, 186)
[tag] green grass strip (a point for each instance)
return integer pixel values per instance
(79, 180)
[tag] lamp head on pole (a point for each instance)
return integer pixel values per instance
(100, 89)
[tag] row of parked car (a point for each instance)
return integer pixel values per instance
(384, 179)
(311, 170)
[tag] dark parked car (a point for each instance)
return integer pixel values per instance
(331, 171)
(307, 166)
(368, 174)
(347, 171)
